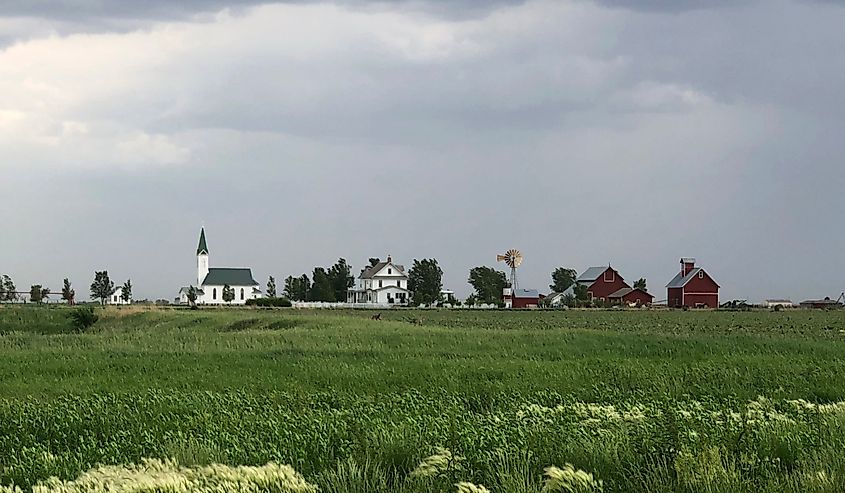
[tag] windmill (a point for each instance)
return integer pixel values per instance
(513, 259)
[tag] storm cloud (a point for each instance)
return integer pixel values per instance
(580, 132)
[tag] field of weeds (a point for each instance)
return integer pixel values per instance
(423, 401)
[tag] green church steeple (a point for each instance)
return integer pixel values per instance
(202, 248)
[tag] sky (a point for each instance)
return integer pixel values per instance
(579, 132)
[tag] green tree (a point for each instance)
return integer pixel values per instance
(297, 288)
(126, 291)
(192, 295)
(68, 293)
(102, 287)
(562, 278)
(228, 293)
(341, 278)
(374, 261)
(9, 291)
(425, 280)
(488, 284)
(271, 287)
(581, 294)
(37, 294)
(321, 286)
(289, 289)
(303, 288)
(641, 284)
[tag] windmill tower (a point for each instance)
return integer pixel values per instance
(513, 259)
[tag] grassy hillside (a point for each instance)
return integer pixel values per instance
(647, 401)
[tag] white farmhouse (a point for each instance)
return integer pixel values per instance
(212, 280)
(382, 284)
(117, 297)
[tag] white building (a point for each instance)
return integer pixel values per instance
(382, 284)
(117, 298)
(778, 303)
(212, 280)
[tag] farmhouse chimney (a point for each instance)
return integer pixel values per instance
(687, 264)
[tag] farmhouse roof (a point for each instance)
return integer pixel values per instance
(371, 271)
(592, 273)
(202, 247)
(220, 276)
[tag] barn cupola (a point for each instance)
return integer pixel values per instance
(687, 264)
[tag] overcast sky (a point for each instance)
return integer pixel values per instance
(579, 132)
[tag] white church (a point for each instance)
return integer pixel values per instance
(212, 280)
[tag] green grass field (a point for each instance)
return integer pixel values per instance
(644, 401)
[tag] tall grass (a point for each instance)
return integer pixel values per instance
(449, 401)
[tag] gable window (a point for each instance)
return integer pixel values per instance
(214, 294)
(609, 276)
(389, 271)
(701, 274)
(242, 293)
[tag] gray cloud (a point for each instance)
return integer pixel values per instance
(580, 133)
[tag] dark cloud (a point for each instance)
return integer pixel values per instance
(86, 10)
(580, 133)
(670, 5)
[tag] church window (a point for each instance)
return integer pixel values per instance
(380, 283)
(214, 294)
(242, 293)
(390, 271)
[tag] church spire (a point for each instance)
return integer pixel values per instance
(202, 248)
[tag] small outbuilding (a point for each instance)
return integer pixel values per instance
(631, 297)
(521, 298)
(825, 304)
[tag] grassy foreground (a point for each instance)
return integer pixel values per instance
(644, 401)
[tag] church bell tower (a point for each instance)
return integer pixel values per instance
(202, 259)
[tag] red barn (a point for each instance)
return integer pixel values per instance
(692, 287)
(631, 296)
(601, 282)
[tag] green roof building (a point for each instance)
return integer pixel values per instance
(213, 282)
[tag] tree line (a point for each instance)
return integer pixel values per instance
(102, 288)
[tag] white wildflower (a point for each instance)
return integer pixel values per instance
(471, 488)
(570, 480)
(436, 464)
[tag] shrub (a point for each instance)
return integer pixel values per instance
(270, 302)
(83, 318)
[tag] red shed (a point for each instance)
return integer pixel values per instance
(521, 298)
(631, 296)
(692, 287)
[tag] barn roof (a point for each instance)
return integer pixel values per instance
(592, 273)
(220, 276)
(526, 293)
(681, 280)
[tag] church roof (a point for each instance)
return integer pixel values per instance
(202, 247)
(220, 276)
